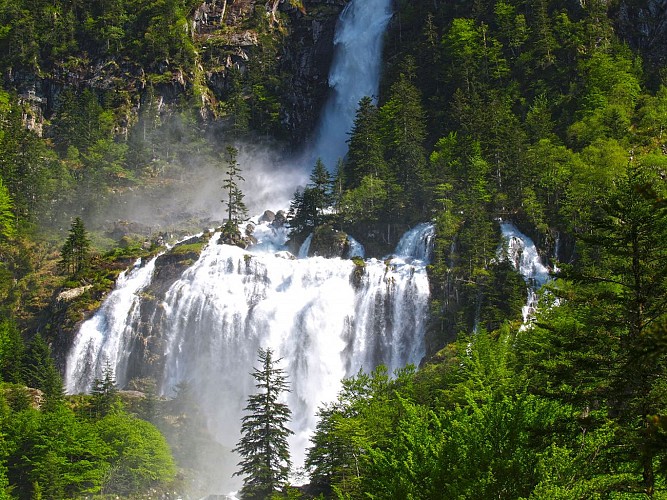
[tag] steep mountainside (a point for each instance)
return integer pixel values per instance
(210, 54)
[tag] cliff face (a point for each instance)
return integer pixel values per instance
(643, 24)
(306, 57)
(230, 38)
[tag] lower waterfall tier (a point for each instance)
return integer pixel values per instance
(326, 318)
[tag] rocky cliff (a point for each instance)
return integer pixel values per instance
(229, 39)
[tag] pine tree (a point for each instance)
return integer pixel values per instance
(302, 215)
(40, 372)
(104, 393)
(366, 151)
(321, 184)
(12, 352)
(75, 253)
(236, 209)
(404, 123)
(338, 186)
(263, 444)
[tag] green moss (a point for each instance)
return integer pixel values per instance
(187, 248)
(359, 262)
(359, 271)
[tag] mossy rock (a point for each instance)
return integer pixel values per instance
(358, 272)
(328, 242)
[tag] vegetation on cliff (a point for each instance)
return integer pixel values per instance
(535, 111)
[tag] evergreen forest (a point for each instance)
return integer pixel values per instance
(551, 114)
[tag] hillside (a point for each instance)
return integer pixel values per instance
(549, 114)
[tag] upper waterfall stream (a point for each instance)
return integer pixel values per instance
(355, 73)
(525, 258)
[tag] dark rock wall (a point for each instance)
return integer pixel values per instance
(305, 38)
(643, 25)
(306, 58)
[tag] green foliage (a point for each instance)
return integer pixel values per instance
(139, 457)
(7, 218)
(366, 202)
(40, 372)
(236, 209)
(12, 352)
(365, 154)
(263, 445)
(104, 394)
(53, 453)
(75, 253)
(307, 208)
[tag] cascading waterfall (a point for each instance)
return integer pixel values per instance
(355, 73)
(327, 319)
(100, 340)
(526, 260)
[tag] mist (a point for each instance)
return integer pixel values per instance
(188, 197)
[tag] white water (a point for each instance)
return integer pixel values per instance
(305, 247)
(523, 255)
(311, 312)
(356, 249)
(324, 319)
(354, 73)
(100, 340)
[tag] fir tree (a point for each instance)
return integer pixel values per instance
(321, 184)
(40, 372)
(75, 253)
(104, 393)
(366, 151)
(236, 209)
(263, 444)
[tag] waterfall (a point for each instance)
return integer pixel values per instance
(356, 249)
(417, 243)
(101, 339)
(354, 73)
(523, 255)
(326, 318)
(305, 247)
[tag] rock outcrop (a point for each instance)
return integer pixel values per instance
(227, 44)
(328, 242)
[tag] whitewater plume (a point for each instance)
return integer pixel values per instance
(523, 255)
(99, 341)
(327, 319)
(354, 73)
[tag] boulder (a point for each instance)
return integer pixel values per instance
(328, 242)
(267, 216)
(280, 219)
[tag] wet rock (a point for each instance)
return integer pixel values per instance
(280, 219)
(328, 242)
(267, 216)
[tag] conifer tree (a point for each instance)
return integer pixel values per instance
(263, 444)
(405, 127)
(366, 151)
(40, 372)
(338, 186)
(75, 253)
(236, 209)
(321, 184)
(104, 392)
(12, 352)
